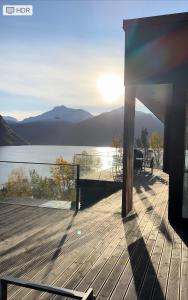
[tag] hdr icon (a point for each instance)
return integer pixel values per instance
(17, 10)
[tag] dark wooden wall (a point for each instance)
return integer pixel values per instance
(176, 150)
(156, 51)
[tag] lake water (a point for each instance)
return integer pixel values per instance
(47, 154)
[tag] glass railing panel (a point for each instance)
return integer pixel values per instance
(99, 167)
(39, 184)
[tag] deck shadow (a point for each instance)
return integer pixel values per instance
(144, 275)
(144, 182)
(57, 252)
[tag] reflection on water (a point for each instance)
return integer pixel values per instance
(47, 154)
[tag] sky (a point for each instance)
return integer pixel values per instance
(56, 56)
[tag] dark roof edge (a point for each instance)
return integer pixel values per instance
(156, 20)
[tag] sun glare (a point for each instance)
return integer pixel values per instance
(110, 87)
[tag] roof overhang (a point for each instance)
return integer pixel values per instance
(156, 55)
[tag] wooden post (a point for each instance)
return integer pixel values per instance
(77, 187)
(176, 151)
(128, 149)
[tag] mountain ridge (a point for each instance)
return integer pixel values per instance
(61, 113)
(95, 131)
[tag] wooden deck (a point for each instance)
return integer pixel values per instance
(140, 257)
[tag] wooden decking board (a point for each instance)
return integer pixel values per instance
(150, 277)
(20, 258)
(87, 260)
(140, 270)
(38, 276)
(73, 283)
(21, 224)
(109, 286)
(128, 272)
(150, 274)
(114, 255)
(99, 281)
(46, 249)
(102, 254)
(115, 259)
(163, 271)
(86, 275)
(123, 264)
(96, 239)
(184, 273)
(173, 288)
(184, 281)
(32, 234)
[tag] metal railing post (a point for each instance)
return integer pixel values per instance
(3, 290)
(77, 187)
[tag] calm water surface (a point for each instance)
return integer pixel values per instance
(46, 154)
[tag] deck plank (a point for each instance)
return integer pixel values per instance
(94, 248)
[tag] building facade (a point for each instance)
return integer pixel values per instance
(156, 73)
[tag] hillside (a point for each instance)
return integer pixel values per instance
(61, 113)
(97, 131)
(8, 137)
(100, 130)
(43, 132)
(9, 119)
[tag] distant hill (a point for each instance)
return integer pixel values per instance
(61, 113)
(43, 132)
(100, 130)
(7, 135)
(9, 119)
(96, 131)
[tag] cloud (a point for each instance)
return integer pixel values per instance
(58, 75)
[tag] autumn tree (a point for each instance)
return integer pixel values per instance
(18, 184)
(63, 174)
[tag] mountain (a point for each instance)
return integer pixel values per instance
(43, 132)
(7, 135)
(96, 131)
(100, 130)
(61, 113)
(9, 119)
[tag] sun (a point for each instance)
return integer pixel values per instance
(110, 87)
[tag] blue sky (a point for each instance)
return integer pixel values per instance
(56, 56)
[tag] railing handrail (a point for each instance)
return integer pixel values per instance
(38, 163)
(95, 154)
(4, 281)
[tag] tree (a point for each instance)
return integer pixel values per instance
(156, 143)
(59, 185)
(143, 141)
(63, 174)
(18, 184)
(138, 143)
